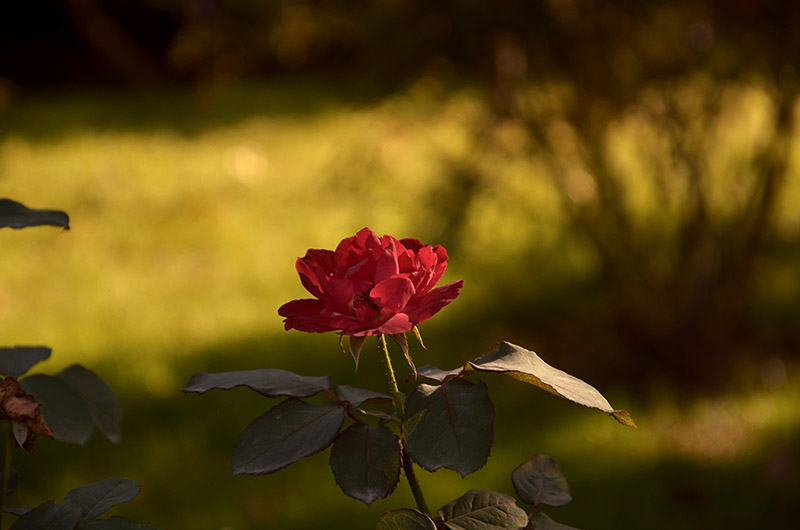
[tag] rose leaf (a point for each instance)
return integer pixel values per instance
(485, 510)
(270, 382)
(405, 519)
(51, 515)
(17, 360)
(541, 521)
(526, 366)
(16, 215)
(288, 432)
(450, 426)
(539, 480)
(359, 396)
(103, 404)
(98, 497)
(365, 460)
(63, 407)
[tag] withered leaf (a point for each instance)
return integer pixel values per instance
(21, 407)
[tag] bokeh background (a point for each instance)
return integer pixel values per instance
(616, 182)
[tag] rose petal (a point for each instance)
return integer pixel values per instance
(387, 266)
(393, 293)
(422, 309)
(308, 277)
(338, 295)
(398, 323)
(309, 315)
(412, 244)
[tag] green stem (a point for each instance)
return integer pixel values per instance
(408, 465)
(10, 442)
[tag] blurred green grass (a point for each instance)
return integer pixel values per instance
(187, 214)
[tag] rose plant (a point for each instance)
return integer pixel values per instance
(381, 286)
(66, 407)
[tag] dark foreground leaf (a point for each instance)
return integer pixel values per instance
(450, 426)
(271, 382)
(97, 498)
(539, 480)
(405, 519)
(64, 408)
(16, 215)
(358, 396)
(432, 372)
(541, 521)
(287, 433)
(365, 461)
(483, 510)
(50, 516)
(17, 360)
(103, 404)
(526, 366)
(115, 523)
(12, 480)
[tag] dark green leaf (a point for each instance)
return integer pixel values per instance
(483, 510)
(12, 480)
(270, 382)
(287, 433)
(115, 523)
(437, 374)
(50, 516)
(63, 408)
(17, 360)
(17, 215)
(450, 426)
(97, 498)
(359, 396)
(526, 366)
(365, 460)
(103, 404)
(541, 521)
(539, 480)
(405, 519)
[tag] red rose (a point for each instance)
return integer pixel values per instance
(370, 286)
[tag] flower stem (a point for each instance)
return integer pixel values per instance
(10, 443)
(408, 465)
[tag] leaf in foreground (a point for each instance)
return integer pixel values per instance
(17, 360)
(115, 523)
(541, 521)
(50, 516)
(358, 396)
(63, 408)
(16, 215)
(271, 382)
(288, 432)
(103, 404)
(433, 372)
(539, 480)
(450, 426)
(365, 461)
(97, 498)
(483, 510)
(405, 519)
(526, 366)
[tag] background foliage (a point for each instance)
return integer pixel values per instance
(616, 183)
